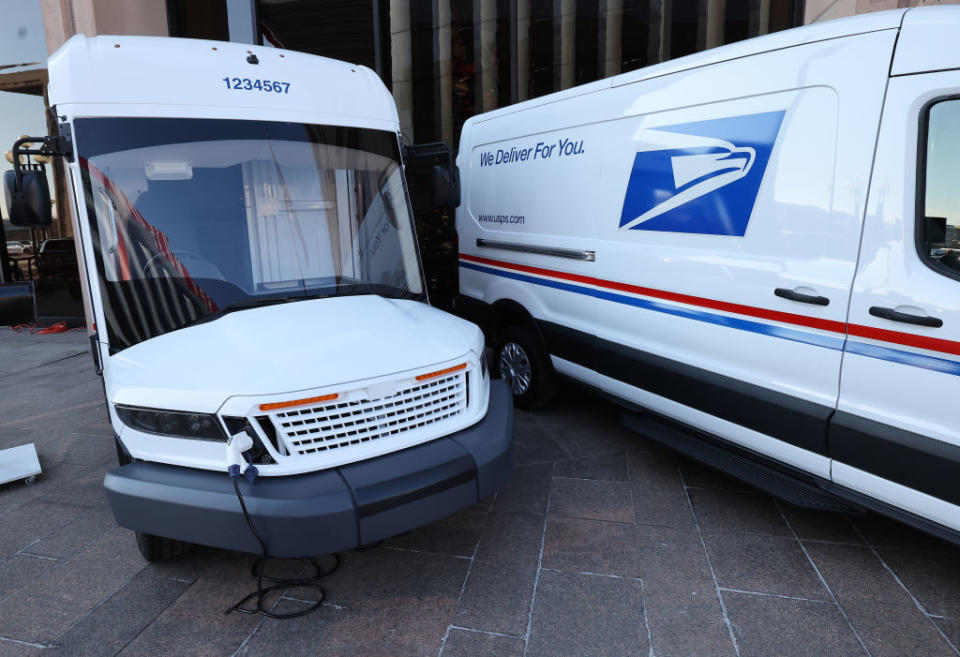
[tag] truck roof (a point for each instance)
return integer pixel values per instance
(160, 76)
(926, 25)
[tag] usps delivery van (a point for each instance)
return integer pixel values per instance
(759, 245)
(254, 279)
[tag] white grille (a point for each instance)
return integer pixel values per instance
(339, 424)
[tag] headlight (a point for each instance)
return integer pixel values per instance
(199, 426)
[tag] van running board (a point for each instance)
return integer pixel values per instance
(746, 467)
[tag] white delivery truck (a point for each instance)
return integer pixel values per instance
(253, 274)
(758, 245)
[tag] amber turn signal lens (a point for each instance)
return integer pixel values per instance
(298, 402)
(430, 375)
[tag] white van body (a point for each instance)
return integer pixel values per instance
(251, 266)
(731, 242)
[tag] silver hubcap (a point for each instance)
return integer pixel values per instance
(515, 367)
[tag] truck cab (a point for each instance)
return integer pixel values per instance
(252, 269)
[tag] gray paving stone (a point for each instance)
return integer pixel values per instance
(456, 535)
(883, 614)
(527, 491)
(73, 537)
(32, 521)
(766, 564)
(653, 471)
(532, 444)
(696, 475)
(42, 611)
(951, 630)
(665, 507)
(497, 597)
(672, 562)
(594, 546)
(388, 579)
(934, 579)
(195, 623)
(596, 500)
(11, 649)
(820, 525)
(687, 624)
(20, 570)
(461, 643)
(579, 615)
(731, 511)
(766, 626)
(607, 467)
(511, 538)
(112, 625)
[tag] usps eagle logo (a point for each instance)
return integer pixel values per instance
(701, 177)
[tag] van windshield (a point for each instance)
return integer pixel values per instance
(193, 218)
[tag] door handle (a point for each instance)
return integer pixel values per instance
(896, 316)
(793, 295)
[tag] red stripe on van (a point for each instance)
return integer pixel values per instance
(870, 332)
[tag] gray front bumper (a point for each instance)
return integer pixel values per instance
(327, 511)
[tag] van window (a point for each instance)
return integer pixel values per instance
(939, 221)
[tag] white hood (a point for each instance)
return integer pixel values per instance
(286, 348)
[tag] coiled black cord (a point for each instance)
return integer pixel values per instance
(278, 583)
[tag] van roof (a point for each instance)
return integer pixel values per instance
(162, 76)
(842, 27)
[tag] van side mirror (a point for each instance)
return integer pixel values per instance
(436, 161)
(446, 187)
(30, 204)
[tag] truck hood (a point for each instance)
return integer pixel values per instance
(286, 348)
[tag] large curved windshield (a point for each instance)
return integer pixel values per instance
(193, 218)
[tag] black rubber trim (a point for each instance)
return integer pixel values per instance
(793, 420)
(386, 495)
(925, 464)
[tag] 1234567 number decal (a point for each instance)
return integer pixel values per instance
(246, 84)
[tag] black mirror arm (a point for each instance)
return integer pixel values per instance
(51, 146)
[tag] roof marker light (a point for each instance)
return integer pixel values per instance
(298, 402)
(430, 375)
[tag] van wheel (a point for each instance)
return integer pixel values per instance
(160, 548)
(522, 362)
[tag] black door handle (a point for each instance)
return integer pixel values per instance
(802, 298)
(893, 315)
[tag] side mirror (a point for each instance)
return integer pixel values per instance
(446, 187)
(436, 161)
(30, 206)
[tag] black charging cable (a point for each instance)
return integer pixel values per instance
(278, 583)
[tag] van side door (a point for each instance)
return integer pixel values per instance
(727, 264)
(896, 434)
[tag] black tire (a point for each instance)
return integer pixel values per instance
(153, 548)
(160, 548)
(519, 344)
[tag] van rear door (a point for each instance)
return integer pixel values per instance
(896, 433)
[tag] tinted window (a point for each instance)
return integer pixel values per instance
(939, 220)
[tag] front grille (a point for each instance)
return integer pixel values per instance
(339, 424)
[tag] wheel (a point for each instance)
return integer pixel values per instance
(160, 548)
(522, 362)
(30, 480)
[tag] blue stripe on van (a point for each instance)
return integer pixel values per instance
(837, 344)
(815, 339)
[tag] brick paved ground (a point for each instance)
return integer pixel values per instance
(603, 544)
